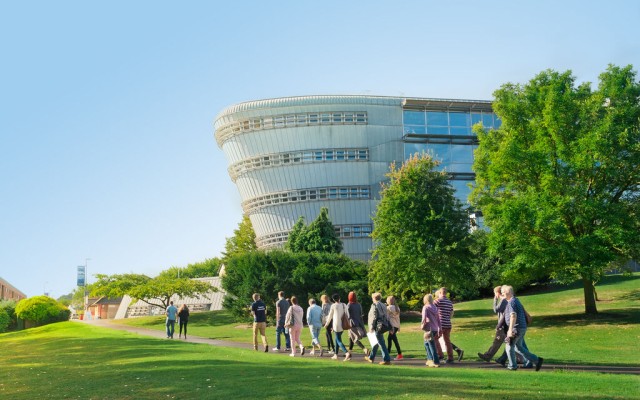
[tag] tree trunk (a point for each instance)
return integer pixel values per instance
(589, 297)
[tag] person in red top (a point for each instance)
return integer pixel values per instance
(445, 312)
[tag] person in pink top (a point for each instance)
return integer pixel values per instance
(431, 328)
(294, 322)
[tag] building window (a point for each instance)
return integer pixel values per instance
(311, 194)
(272, 160)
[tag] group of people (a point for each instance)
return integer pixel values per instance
(337, 318)
(182, 315)
(511, 329)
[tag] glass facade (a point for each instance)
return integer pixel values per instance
(448, 137)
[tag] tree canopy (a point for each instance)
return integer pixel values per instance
(41, 310)
(420, 231)
(319, 235)
(153, 291)
(242, 241)
(558, 182)
(304, 274)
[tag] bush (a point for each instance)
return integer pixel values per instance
(42, 310)
(9, 306)
(304, 275)
(5, 320)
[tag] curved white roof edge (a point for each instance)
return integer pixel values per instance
(331, 99)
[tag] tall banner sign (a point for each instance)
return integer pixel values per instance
(81, 275)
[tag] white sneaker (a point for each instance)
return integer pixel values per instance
(292, 355)
(347, 356)
(312, 352)
(335, 357)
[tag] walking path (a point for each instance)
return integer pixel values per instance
(412, 362)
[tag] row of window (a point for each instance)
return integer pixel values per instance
(343, 231)
(291, 120)
(446, 122)
(307, 156)
(296, 196)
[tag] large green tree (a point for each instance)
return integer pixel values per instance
(420, 233)
(558, 182)
(242, 241)
(153, 291)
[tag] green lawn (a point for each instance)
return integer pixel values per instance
(75, 360)
(80, 361)
(560, 333)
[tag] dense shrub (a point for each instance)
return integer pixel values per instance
(304, 275)
(9, 306)
(42, 310)
(5, 320)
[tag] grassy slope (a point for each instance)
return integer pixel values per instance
(74, 360)
(560, 332)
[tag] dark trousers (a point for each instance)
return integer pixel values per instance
(393, 337)
(183, 324)
(329, 336)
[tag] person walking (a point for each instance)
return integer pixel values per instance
(445, 312)
(282, 306)
(431, 327)
(357, 330)
(171, 313)
(334, 320)
(378, 321)
(326, 308)
(515, 318)
(394, 319)
(293, 321)
(183, 317)
(259, 312)
(314, 320)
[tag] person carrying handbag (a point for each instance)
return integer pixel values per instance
(378, 324)
(357, 330)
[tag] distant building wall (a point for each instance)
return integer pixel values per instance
(8, 292)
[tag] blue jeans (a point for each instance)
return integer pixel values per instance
(430, 347)
(281, 330)
(339, 343)
(315, 332)
(383, 349)
(171, 326)
(516, 345)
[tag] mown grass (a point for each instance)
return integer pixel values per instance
(80, 361)
(561, 332)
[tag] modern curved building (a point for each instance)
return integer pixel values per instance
(291, 156)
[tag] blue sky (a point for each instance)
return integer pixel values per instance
(106, 108)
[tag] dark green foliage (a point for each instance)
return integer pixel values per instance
(9, 306)
(5, 320)
(559, 181)
(303, 274)
(421, 233)
(319, 235)
(42, 310)
(295, 241)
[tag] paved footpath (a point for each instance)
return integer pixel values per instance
(358, 357)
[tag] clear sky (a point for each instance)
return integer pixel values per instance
(106, 108)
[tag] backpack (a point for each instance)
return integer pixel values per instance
(382, 322)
